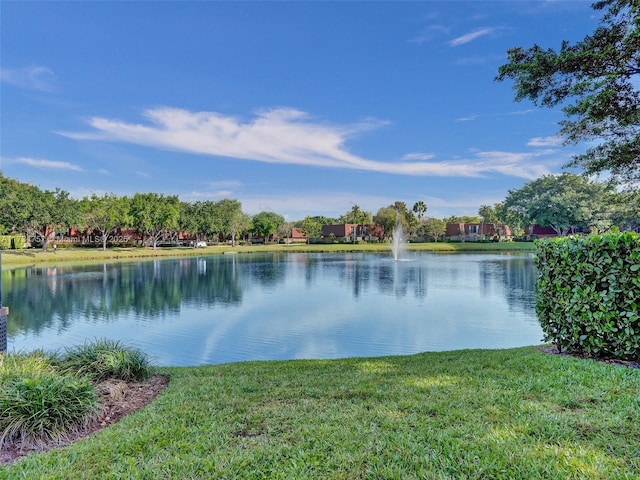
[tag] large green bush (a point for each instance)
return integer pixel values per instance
(588, 294)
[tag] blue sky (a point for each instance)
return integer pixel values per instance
(301, 108)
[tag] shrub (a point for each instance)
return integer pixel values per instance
(587, 294)
(12, 241)
(106, 359)
(19, 364)
(39, 404)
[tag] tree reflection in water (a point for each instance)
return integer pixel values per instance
(251, 306)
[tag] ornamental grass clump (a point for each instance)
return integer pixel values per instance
(19, 364)
(105, 359)
(40, 405)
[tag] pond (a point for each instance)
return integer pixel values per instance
(237, 307)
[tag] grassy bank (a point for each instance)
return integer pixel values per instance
(17, 258)
(515, 413)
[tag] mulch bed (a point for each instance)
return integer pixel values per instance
(552, 350)
(119, 399)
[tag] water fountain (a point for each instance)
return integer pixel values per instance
(399, 244)
(206, 313)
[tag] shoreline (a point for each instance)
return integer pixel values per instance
(31, 257)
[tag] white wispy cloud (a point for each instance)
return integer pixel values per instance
(30, 78)
(481, 164)
(280, 135)
(82, 192)
(284, 136)
(515, 164)
(218, 189)
(471, 36)
(209, 194)
(428, 33)
(477, 60)
(417, 156)
(469, 118)
(522, 112)
(472, 117)
(226, 183)
(551, 141)
(48, 164)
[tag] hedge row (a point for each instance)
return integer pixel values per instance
(11, 241)
(588, 294)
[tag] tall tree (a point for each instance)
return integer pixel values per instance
(209, 218)
(600, 76)
(435, 228)
(285, 230)
(266, 224)
(419, 208)
(155, 215)
(625, 210)
(312, 227)
(489, 214)
(406, 216)
(230, 214)
(386, 217)
(240, 225)
(16, 199)
(104, 215)
(463, 219)
(49, 213)
(328, 220)
(188, 221)
(498, 214)
(403, 216)
(564, 203)
(398, 213)
(356, 215)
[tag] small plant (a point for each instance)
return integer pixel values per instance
(19, 364)
(39, 404)
(105, 359)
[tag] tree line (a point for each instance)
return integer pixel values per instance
(43, 215)
(595, 79)
(567, 202)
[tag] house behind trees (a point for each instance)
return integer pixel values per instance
(478, 231)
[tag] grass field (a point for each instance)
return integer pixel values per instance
(472, 414)
(16, 258)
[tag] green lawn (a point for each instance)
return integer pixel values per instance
(16, 258)
(512, 414)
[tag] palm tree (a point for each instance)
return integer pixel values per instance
(356, 212)
(420, 208)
